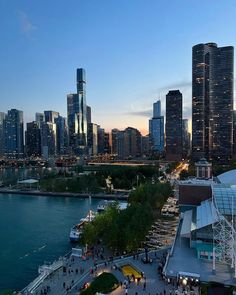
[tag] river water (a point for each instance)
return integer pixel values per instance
(34, 230)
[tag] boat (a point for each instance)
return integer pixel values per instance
(77, 230)
(103, 205)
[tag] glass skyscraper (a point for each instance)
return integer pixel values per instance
(77, 116)
(2, 136)
(14, 134)
(156, 129)
(33, 139)
(174, 142)
(212, 101)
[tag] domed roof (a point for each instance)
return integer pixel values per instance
(228, 177)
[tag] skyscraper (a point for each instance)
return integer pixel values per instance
(186, 138)
(89, 115)
(92, 139)
(50, 116)
(62, 139)
(156, 129)
(174, 125)
(77, 116)
(39, 118)
(14, 134)
(33, 139)
(82, 118)
(48, 139)
(212, 102)
(126, 143)
(2, 136)
(234, 134)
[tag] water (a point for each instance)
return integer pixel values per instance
(34, 230)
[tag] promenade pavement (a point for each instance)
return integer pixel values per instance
(78, 272)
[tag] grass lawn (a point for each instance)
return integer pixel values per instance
(105, 283)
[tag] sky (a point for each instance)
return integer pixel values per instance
(133, 51)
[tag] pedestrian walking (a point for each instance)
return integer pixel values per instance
(144, 286)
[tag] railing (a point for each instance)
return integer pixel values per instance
(45, 271)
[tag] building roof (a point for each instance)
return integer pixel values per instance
(206, 214)
(224, 198)
(187, 224)
(228, 177)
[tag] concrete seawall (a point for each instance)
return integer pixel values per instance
(66, 194)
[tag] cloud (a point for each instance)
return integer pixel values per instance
(147, 113)
(181, 86)
(26, 26)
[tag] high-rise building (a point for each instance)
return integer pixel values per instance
(92, 139)
(72, 117)
(33, 139)
(132, 142)
(101, 140)
(186, 138)
(107, 146)
(39, 118)
(89, 115)
(114, 140)
(145, 145)
(50, 116)
(126, 143)
(212, 102)
(14, 134)
(62, 139)
(48, 139)
(81, 91)
(234, 134)
(77, 116)
(2, 136)
(156, 129)
(157, 109)
(174, 125)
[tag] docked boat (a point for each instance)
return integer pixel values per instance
(77, 230)
(103, 205)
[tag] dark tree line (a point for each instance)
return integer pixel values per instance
(124, 230)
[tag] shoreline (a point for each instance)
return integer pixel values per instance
(123, 197)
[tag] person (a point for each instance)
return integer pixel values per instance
(126, 291)
(144, 286)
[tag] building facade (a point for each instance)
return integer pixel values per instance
(212, 101)
(62, 139)
(33, 139)
(77, 116)
(92, 139)
(174, 147)
(2, 134)
(48, 139)
(156, 129)
(14, 134)
(39, 118)
(186, 138)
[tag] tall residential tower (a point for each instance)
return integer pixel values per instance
(212, 101)
(174, 144)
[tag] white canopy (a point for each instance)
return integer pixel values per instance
(28, 181)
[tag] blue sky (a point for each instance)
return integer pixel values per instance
(133, 51)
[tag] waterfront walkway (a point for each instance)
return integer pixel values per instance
(117, 196)
(76, 272)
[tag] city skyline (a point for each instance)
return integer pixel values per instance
(121, 86)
